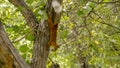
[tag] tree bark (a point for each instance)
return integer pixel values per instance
(40, 31)
(41, 50)
(9, 56)
(83, 60)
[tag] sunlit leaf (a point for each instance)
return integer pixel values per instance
(16, 28)
(29, 37)
(23, 48)
(19, 8)
(64, 34)
(80, 12)
(29, 1)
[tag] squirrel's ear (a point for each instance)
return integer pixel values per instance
(57, 6)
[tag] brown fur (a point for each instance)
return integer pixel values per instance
(53, 34)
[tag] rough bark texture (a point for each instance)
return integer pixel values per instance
(41, 31)
(41, 51)
(83, 60)
(27, 13)
(9, 56)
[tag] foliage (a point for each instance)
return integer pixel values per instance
(88, 28)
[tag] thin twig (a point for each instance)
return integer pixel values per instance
(85, 18)
(112, 2)
(103, 22)
(18, 39)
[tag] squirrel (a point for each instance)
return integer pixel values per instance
(54, 26)
(53, 34)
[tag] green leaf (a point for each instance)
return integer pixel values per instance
(15, 28)
(80, 12)
(23, 48)
(43, 14)
(19, 8)
(42, 3)
(28, 61)
(29, 1)
(61, 27)
(64, 34)
(29, 37)
(105, 0)
(24, 56)
(86, 9)
(92, 5)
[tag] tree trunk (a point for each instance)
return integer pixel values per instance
(40, 51)
(83, 60)
(9, 56)
(40, 31)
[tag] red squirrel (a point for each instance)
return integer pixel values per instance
(53, 33)
(54, 26)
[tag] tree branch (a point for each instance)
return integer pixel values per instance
(27, 13)
(85, 18)
(8, 54)
(103, 22)
(111, 2)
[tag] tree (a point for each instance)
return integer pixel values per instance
(88, 33)
(10, 57)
